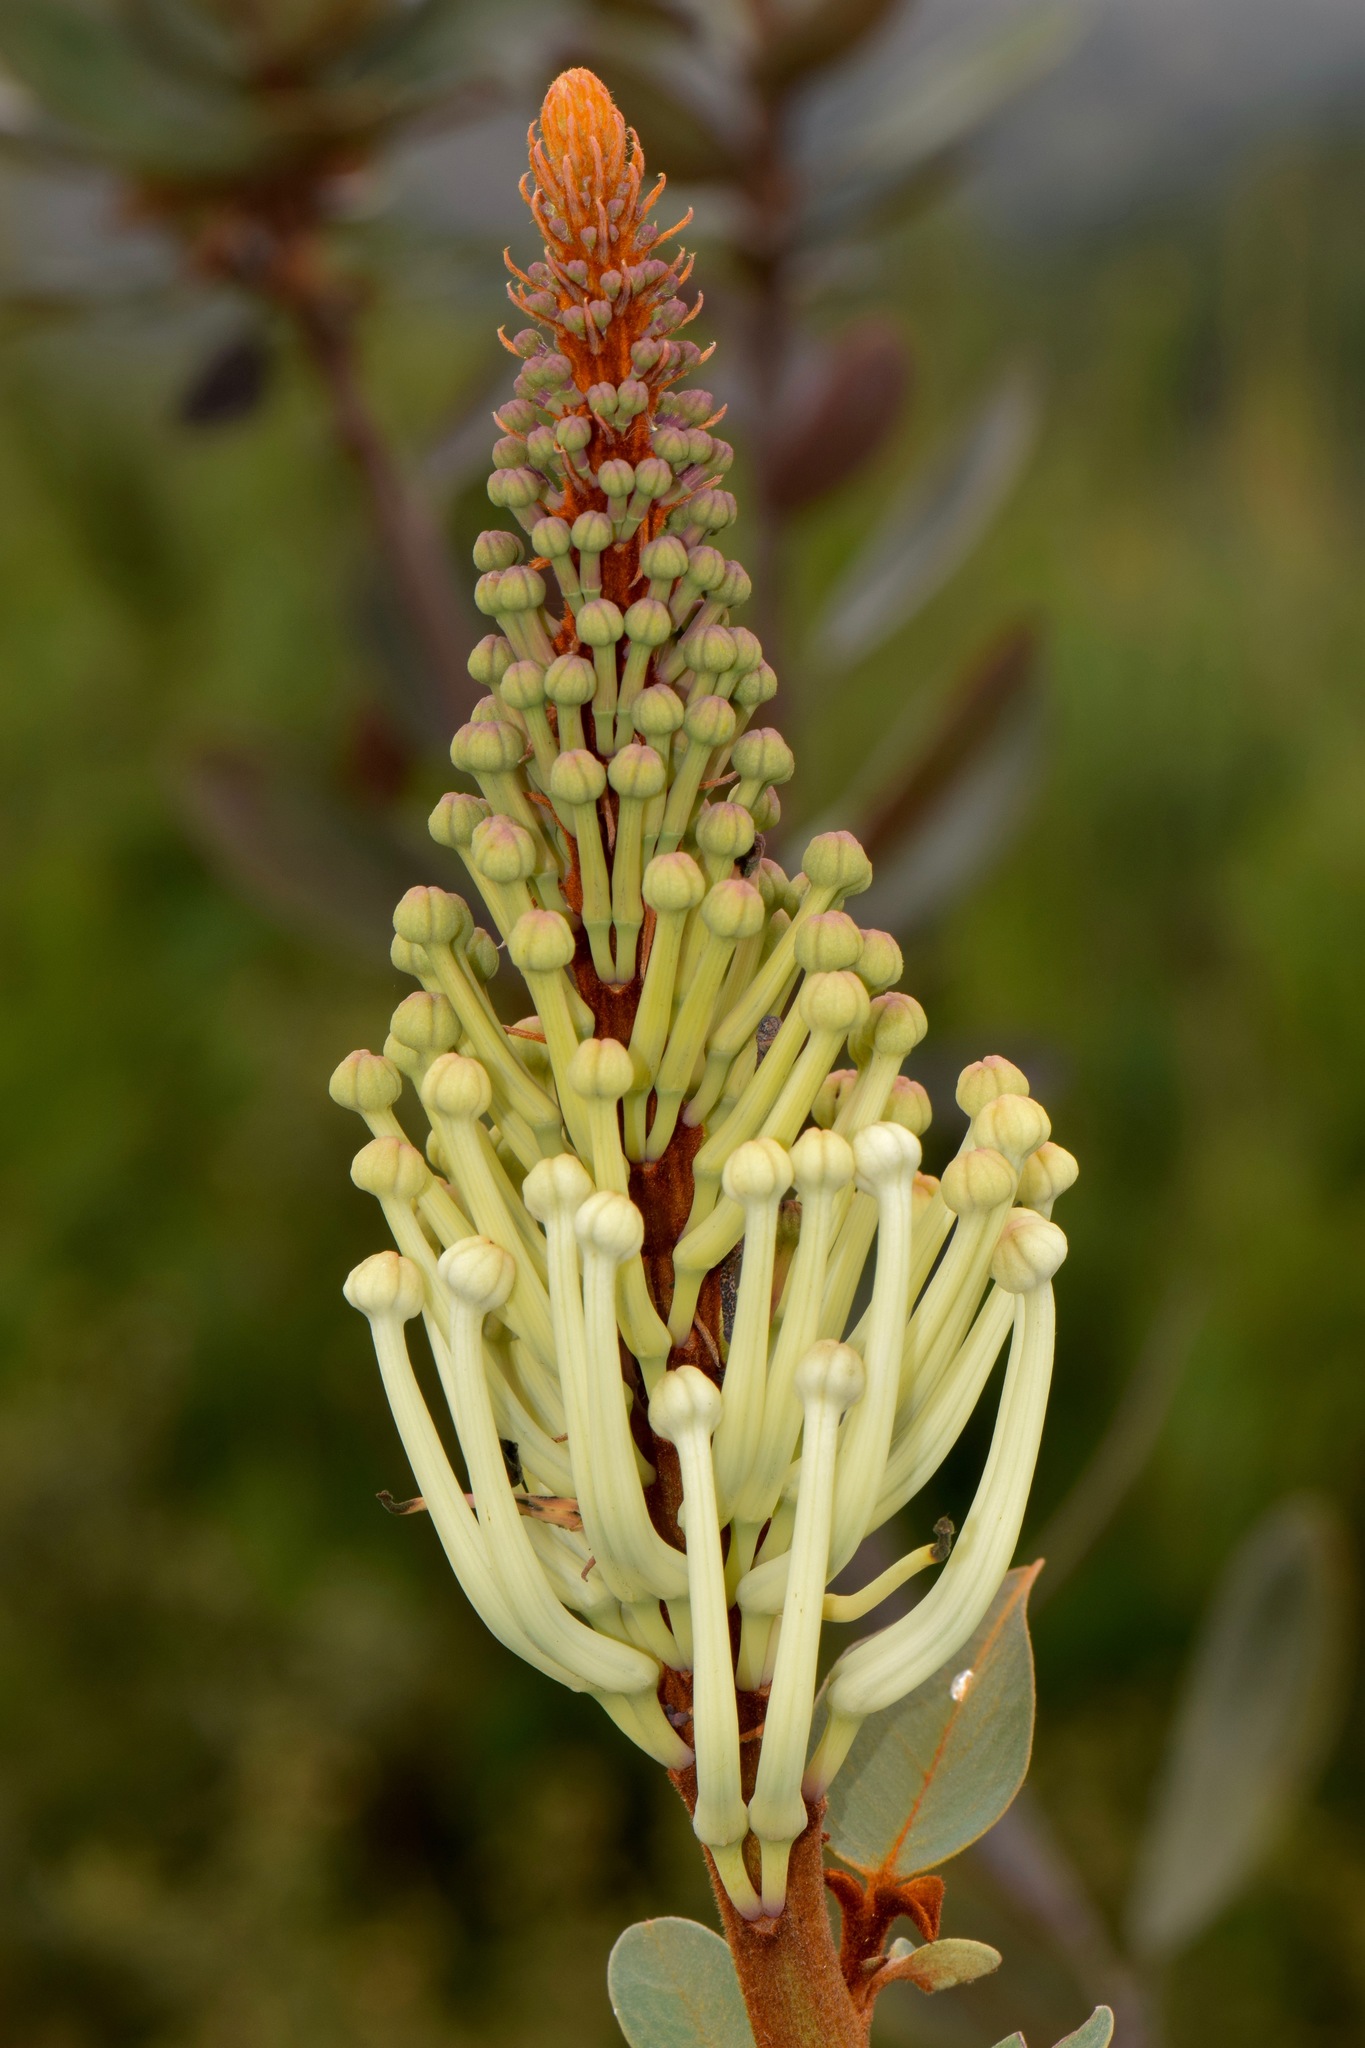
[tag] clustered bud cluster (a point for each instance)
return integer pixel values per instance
(637, 1225)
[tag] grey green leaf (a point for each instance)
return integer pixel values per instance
(673, 1985)
(941, 1965)
(1097, 2032)
(1258, 1710)
(931, 1774)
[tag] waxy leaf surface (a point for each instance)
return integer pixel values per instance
(939, 1965)
(672, 1985)
(931, 1774)
(1097, 2032)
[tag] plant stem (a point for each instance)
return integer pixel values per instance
(789, 1969)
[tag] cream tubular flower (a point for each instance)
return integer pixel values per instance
(829, 1379)
(876, 1673)
(684, 1411)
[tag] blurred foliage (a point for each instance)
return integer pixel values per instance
(264, 1779)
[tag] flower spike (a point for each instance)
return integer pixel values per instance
(636, 1223)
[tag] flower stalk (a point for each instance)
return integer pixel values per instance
(587, 1176)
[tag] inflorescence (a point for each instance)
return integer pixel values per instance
(637, 1228)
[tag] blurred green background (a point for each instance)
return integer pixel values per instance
(262, 1778)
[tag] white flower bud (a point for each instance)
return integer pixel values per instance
(385, 1285)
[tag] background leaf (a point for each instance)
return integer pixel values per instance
(672, 1985)
(1259, 1709)
(932, 1773)
(1097, 2032)
(932, 526)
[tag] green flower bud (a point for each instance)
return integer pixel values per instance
(705, 567)
(457, 1087)
(453, 821)
(692, 407)
(521, 590)
(725, 832)
(670, 445)
(632, 396)
(488, 749)
(652, 479)
(592, 533)
(711, 651)
(1013, 1124)
(673, 882)
(733, 909)
(896, 1024)
(600, 623)
(518, 416)
(832, 1002)
(882, 963)
(737, 588)
(909, 1106)
(425, 1022)
(543, 450)
(432, 917)
(602, 398)
(616, 479)
(508, 453)
(637, 771)
(481, 952)
(602, 1067)
(827, 943)
(512, 490)
(490, 660)
(407, 958)
(523, 686)
(577, 777)
(983, 1080)
(503, 850)
(835, 860)
(366, 1083)
(648, 622)
(391, 1169)
(978, 1179)
(757, 687)
(573, 433)
(540, 942)
(551, 537)
(658, 712)
(834, 1090)
(762, 755)
(767, 810)
(570, 680)
(709, 721)
(664, 560)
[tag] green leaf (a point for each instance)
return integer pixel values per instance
(1259, 1709)
(1097, 2032)
(932, 1773)
(672, 1985)
(940, 1965)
